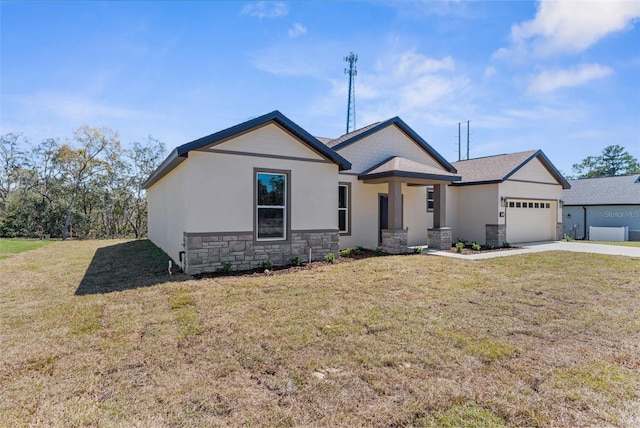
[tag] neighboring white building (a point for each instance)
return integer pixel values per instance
(602, 202)
(266, 190)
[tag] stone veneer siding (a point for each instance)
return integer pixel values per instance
(207, 252)
(559, 232)
(439, 238)
(495, 234)
(395, 241)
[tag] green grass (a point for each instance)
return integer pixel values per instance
(12, 246)
(97, 333)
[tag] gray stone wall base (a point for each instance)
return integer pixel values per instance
(394, 241)
(208, 252)
(495, 234)
(559, 231)
(439, 238)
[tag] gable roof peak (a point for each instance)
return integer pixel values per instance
(180, 153)
(498, 168)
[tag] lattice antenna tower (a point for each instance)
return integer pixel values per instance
(352, 71)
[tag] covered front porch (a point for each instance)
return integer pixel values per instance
(396, 171)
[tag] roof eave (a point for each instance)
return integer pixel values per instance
(406, 174)
(475, 183)
(171, 161)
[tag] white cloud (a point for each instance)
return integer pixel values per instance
(265, 9)
(570, 26)
(548, 81)
(297, 30)
(489, 72)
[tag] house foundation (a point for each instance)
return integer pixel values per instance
(208, 252)
(439, 238)
(394, 241)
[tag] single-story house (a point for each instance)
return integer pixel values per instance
(602, 202)
(268, 191)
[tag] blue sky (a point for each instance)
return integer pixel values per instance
(560, 76)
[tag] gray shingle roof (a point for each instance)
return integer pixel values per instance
(334, 142)
(497, 168)
(401, 167)
(604, 191)
(490, 168)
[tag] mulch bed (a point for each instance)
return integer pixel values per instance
(279, 270)
(468, 251)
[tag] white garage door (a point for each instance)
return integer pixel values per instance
(530, 221)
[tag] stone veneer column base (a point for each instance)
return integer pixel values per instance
(394, 241)
(495, 234)
(439, 238)
(559, 232)
(208, 252)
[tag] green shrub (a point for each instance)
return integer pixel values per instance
(296, 261)
(267, 264)
(346, 252)
(330, 258)
(459, 246)
(475, 246)
(417, 250)
(378, 252)
(358, 251)
(506, 245)
(225, 269)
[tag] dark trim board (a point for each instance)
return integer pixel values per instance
(264, 155)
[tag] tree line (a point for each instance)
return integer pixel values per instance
(88, 186)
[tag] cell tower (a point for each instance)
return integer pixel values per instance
(352, 71)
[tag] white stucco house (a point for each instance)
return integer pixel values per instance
(267, 190)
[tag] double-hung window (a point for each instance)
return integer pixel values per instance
(271, 206)
(429, 199)
(343, 208)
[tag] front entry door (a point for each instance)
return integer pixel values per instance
(383, 216)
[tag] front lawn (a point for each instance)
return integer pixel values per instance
(98, 333)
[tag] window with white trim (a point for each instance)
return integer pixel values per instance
(271, 206)
(343, 208)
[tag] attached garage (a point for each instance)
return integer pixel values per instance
(510, 198)
(530, 220)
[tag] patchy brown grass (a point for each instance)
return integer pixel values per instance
(547, 339)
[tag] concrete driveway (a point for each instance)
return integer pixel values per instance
(536, 247)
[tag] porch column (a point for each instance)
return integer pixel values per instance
(439, 237)
(395, 205)
(394, 239)
(439, 206)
